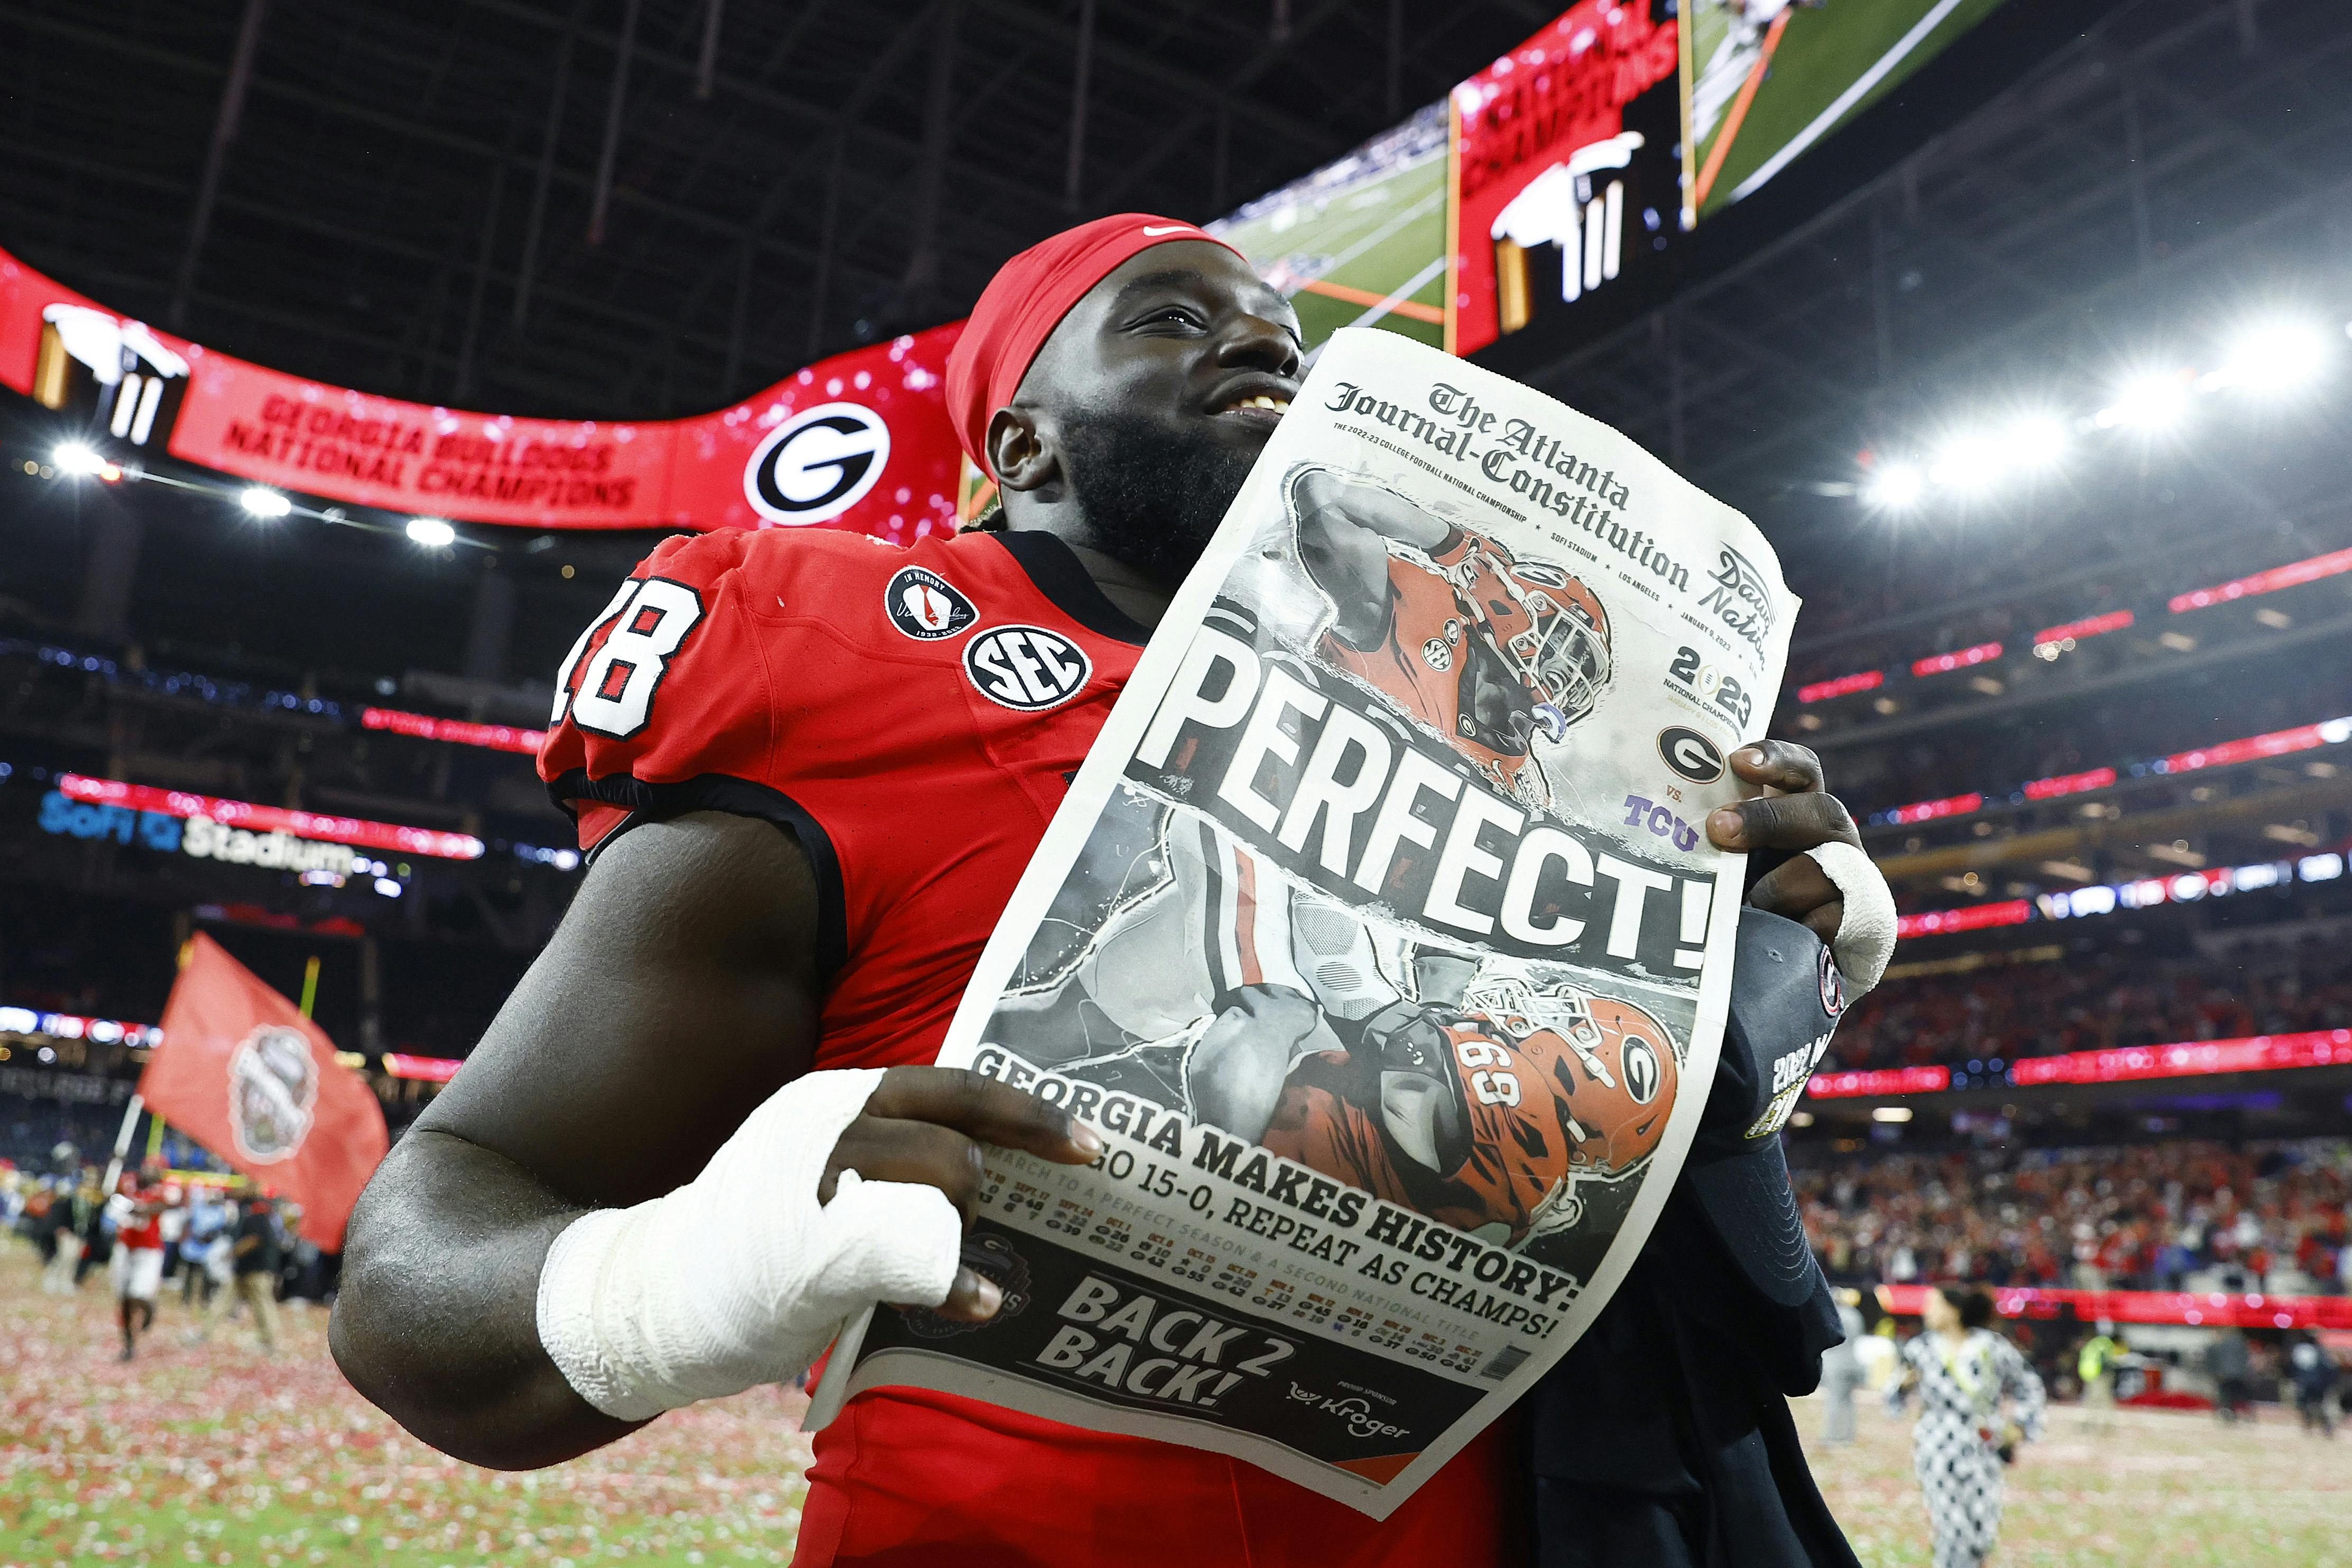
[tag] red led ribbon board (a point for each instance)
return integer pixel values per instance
(860, 441)
(2211, 1310)
(350, 830)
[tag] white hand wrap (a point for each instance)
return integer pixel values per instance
(1865, 938)
(740, 1277)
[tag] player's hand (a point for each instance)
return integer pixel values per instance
(1792, 813)
(926, 1125)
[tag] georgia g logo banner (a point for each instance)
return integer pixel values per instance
(273, 1083)
(817, 465)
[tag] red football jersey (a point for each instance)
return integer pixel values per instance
(143, 1230)
(914, 717)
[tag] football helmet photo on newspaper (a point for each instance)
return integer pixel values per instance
(1481, 1092)
(1448, 627)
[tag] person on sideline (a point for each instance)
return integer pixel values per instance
(1841, 1374)
(2094, 1365)
(1978, 1401)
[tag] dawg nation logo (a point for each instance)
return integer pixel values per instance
(273, 1081)
(1739, 597)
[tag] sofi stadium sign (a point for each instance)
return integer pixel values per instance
(212, 829)
(859, 441)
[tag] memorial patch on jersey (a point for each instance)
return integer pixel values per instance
(925, 606)
(1027, 668)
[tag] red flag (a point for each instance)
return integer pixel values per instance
(242, 1072)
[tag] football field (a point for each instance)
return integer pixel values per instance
(211, 1455)
(1765, 94)
(2161, 1489)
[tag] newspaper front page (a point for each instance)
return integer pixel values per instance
(1379, 937)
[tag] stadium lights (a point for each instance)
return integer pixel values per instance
(1891, 1113)
(74, 458)
(260, 501)
(1898, 485)
(2038, 441)
(2272, 358)
(432, 532)
(1969, 462)
(2146, 402)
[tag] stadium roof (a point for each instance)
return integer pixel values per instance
(401, 198)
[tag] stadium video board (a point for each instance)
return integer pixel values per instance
(1765, 80)
(1553, 183)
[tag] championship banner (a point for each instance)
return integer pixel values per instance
(1566, 166)
(245, 1074)
(1377, 938)
(860, 441)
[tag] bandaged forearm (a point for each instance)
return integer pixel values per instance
(1865, 938)
(740, 1277)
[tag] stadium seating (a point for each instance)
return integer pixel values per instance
(2094, 1001)
(2191, 1214)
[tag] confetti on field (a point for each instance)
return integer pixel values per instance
(211, 1455)
(208, 1456)
(2157, 1490)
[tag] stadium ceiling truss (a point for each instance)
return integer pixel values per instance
(402, 198)
(643, 207)
(2179, 162)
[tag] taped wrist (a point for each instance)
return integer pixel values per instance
(1865, 938)
(740, 1277)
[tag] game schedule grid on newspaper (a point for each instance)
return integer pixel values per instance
(1379, 938)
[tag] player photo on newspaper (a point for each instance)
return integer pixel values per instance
(1379, 938)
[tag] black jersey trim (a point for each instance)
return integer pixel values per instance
(742, 797)
(1059, 574)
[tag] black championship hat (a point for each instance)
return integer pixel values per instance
(1786, 996)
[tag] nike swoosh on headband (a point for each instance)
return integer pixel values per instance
(1150, 232)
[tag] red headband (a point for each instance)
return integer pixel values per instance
(1026, 300)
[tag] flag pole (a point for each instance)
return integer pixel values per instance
(122, 1142)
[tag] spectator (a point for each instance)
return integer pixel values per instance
(2096, 1002)
(2315, 1382)
(2146, 1218)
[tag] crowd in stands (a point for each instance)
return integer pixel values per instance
(2190, 1214)
(2093, 1002)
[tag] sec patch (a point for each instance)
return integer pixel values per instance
(1027, 668)
(925, 606)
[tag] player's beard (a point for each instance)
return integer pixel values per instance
(1153, 496)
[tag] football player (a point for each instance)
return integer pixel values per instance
(1219, 938)
(1485, 650)
(136, 1266)
(704, 1131)
(1486, 1116)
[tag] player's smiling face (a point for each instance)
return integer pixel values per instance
(1183, 335)
(1155, 394)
